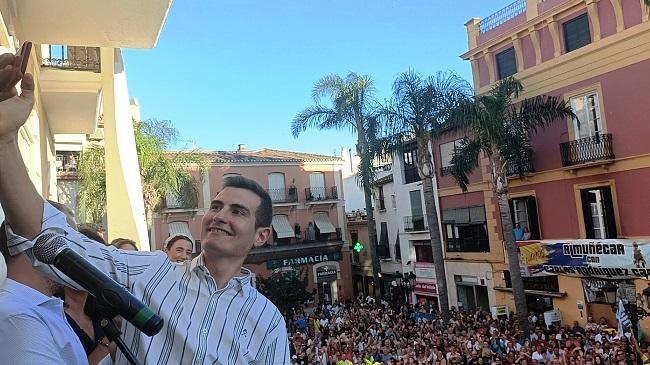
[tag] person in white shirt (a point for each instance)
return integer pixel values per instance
(33, 328)
(211, 312)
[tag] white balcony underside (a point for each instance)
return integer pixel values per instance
(113, 24)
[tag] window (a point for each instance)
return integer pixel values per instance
(465, 229)
(382, 205)
(383, 251)
(277, 190)
(524, 211)
(576, 33)
(598, 212)
(410, 162)
(316, 186)
(506, 63)
(446, 154)
(423, 252)
(417, 220)
(587, 110)
(398, 249)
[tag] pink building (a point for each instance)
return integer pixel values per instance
(308, 215)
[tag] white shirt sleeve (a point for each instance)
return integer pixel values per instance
(277, 352)
(26, 340)
(121, 266)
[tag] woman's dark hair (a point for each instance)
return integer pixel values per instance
(169, 242)
(92, 234)
(120, 242)
(264, 212)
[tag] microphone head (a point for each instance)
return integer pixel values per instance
(47, 246)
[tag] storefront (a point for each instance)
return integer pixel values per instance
(425, 290)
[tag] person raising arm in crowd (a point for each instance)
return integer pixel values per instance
(211, 312)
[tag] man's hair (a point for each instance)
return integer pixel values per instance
(264, 212)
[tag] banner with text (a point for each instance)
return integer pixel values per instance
(612, 258)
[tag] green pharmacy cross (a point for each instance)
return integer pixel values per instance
(358, 247)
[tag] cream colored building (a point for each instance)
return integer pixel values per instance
(79, 72)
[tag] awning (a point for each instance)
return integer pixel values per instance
(323, 223)
(181, 228)
(282, 227)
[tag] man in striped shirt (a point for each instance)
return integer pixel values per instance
(212, 313)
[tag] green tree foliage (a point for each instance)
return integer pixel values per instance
(160, 171)
(286, 289)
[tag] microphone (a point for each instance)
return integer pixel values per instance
(53, 249)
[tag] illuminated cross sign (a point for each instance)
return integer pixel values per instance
(358, 247)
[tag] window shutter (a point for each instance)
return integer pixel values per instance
(511, 204)
(586, 213)
(533, 222)
(608, 209)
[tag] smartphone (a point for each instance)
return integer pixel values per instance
(22, 56)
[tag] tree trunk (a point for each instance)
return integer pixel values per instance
(425, 170)
(500, 186)
(362, 150)
(436, 247)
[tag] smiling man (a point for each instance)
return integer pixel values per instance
(212, 313)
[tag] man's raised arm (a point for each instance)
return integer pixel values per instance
(22, 204)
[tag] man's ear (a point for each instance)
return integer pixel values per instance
(261, 236)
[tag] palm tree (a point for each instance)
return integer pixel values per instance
(352, 109)
(160, 172)
(418, 110)
(501, 128)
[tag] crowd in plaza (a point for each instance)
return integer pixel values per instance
(366, 332)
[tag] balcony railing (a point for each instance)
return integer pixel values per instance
(446, 170)
(289, 195)
(73, 58)
(526, 164)
(587, 150)
(467, 245)
(415, 223)
(321, 193)
(502, 16)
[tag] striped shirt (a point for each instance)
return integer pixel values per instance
(203, 324)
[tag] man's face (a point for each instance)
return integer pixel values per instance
(228, 228)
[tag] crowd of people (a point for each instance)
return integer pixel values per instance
(365, 332)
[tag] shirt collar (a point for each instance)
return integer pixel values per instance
(27, 293)
(243, 281)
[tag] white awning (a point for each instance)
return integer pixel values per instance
(323, 222)
(181, 228)
(282, 227)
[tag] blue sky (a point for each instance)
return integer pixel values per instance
(238, 71)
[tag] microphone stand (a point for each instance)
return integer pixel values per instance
(113, 333)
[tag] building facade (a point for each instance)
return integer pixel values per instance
(79, 72)
(586, 178)
(309, 221)
(404, 244)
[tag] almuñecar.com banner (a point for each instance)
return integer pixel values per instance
(611, 258)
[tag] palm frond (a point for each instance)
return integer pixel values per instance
(315, 117)
(464, 161)
(541, 111)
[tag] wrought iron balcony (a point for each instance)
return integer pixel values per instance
(526, 166)
(415, 223)
(73, 58)
(467, 245)
(587, 150)
(287, 195)
(502, 16)
(321, 193)
(446, 170)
